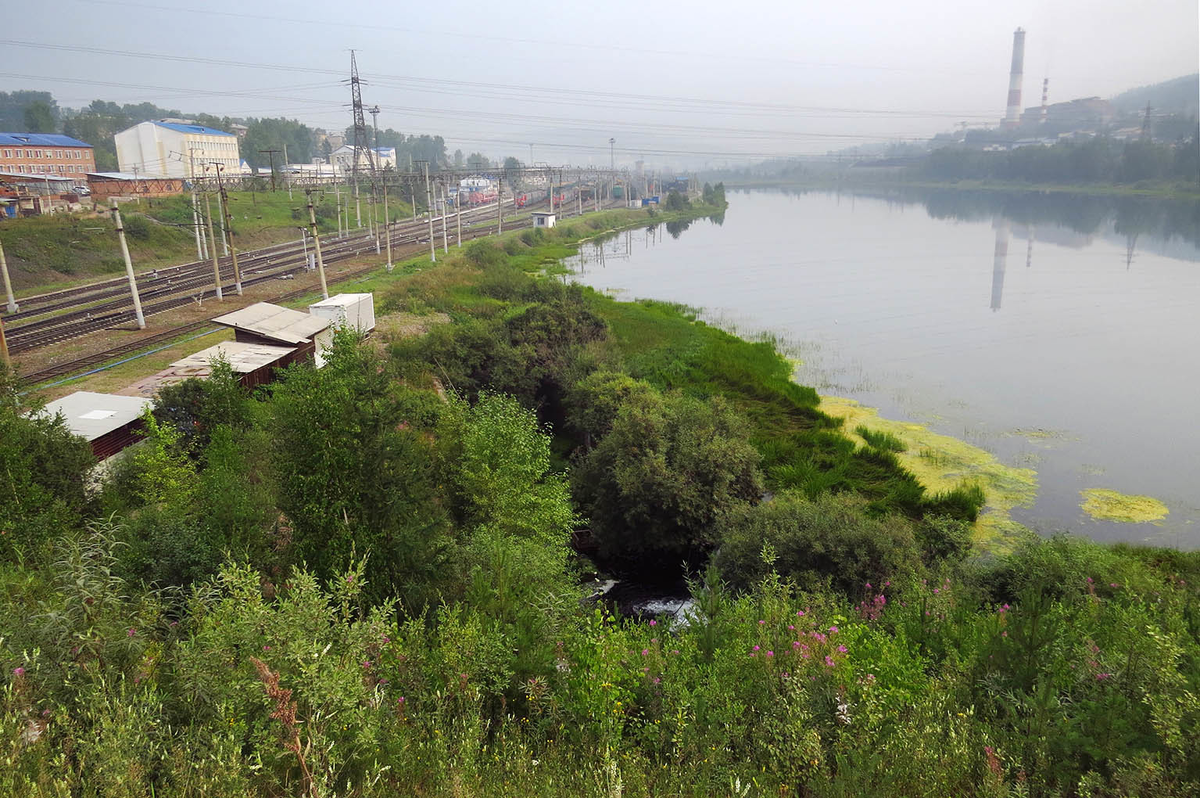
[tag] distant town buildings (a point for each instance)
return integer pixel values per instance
(175, 149)
(45, 154)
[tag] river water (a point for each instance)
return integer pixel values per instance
(1059, 333)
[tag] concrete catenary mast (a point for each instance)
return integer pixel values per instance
(1012, 116)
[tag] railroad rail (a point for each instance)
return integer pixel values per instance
(98, 358)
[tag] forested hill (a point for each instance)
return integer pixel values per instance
(1177, 96)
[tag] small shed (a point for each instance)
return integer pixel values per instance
(272, 325)
(347, 310)
(254, 364)
(109, 422)
(543, 219)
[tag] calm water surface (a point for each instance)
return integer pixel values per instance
(1059, 333)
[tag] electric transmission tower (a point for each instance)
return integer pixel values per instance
(361, 145)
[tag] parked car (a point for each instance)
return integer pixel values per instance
(82, 191)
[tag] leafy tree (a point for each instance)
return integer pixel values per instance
(458, 159)
(13, 105)
(512, 170)
(478, 160)
(43, 473)
(656, 484)
(39, 118)
(357, 475)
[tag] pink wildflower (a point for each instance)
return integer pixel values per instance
(653, 623)
(646, 651)
(828, 661)
(770, 653)
(131, 632)
(18, 671)
(756, 648)
(842, 649)
(833, 630)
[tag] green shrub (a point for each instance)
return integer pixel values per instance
(832, 539)
(136, 226)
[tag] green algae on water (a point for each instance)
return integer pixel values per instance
(1109, 505)
(942, 463)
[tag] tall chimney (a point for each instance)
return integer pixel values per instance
(1045, 97)
(1012, 116)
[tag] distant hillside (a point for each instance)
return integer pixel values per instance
(1178, 96)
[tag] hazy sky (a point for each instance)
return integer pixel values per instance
(676, 81)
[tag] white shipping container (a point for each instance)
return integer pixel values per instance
(352, 310)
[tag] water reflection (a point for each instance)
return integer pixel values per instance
(1000, 261)
(1165, 226)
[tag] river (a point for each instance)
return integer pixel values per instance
(1060, 333)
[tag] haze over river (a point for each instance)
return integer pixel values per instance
(1061, 333)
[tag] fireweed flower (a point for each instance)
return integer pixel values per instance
(828, 661)
(842, 649)
(833, 630)
(756, 648)
(653, 623)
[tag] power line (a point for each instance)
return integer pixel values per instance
(573, 46)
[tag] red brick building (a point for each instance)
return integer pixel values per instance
(46, 153)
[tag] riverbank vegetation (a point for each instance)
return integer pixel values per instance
(371, 579)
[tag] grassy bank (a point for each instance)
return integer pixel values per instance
(361, 581)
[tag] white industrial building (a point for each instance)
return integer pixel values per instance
(347, 310)
(175, 149)
(342, 159)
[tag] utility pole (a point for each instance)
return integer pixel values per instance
(338, 200)
(237, 273)
(8, 292)
(387, 225)
(500, 203)
(195, 205)
(271, 155)
(429, 204)
(133, 289)
(1146, 124)
(375, 175)
(445, 244)
(216, 265)
(316, 237)
(550, 180)
(458, 212)
(286, 178)
(220, 223)
(4, 358)
(612, 154)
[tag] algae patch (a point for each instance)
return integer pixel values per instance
(942, 463)
(1109, 505)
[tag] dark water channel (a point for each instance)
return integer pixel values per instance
(1059, 333)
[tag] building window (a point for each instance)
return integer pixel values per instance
(7, 154)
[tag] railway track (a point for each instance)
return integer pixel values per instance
(191, 283)
(407, 241)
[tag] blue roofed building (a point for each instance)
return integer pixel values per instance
(176, 148)
(46, 154)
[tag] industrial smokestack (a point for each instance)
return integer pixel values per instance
(1045, 97)
(1012, 116)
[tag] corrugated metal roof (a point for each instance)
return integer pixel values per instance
(196, 129)
(274, 322)
(91, 415)
(40, 140)
(40, 177)
(243, 357)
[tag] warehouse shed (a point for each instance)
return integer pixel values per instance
(107, 421)
(272, 325)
